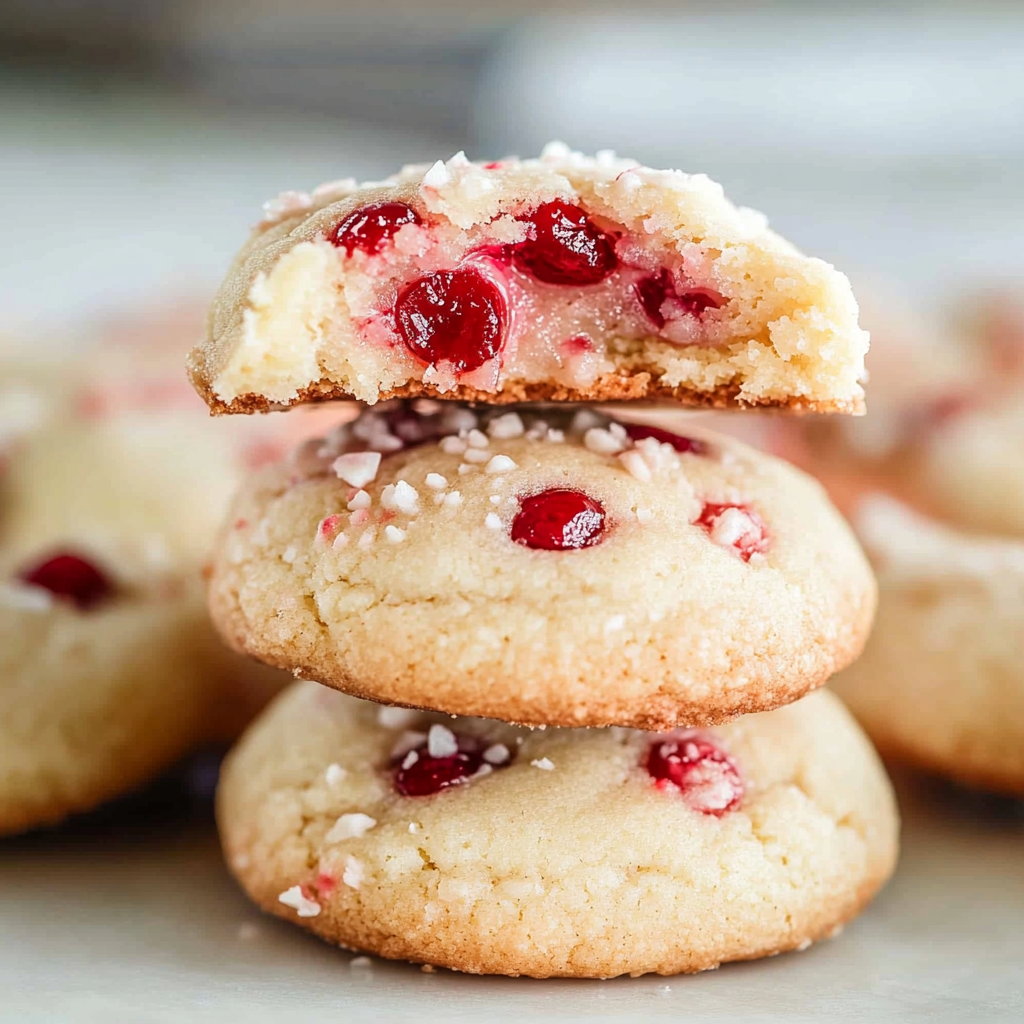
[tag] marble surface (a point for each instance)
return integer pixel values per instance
(133, 918)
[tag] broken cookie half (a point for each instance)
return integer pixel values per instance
(566, 277)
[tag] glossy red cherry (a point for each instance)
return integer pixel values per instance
(417, 773)
(369, 229)
(705, 776)
(558, 520)
(638, 431)
(453, 315)
(736, 526)
(71, 578)
(566, 247)
(653, 292)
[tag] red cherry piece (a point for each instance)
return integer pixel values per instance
(416, 773)
(558, 520)
(371, 228)
(566, 247)
(736, 526)
(71, 578)
(706, 777)
(453, 315)
(638, 432)
(653, 292)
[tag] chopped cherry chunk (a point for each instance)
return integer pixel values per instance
(661, 300)
(566, 247)
(735, 526)
(453, 315)
(558, 520)
(419, 773)
(71, 578)
(706, 777)
(372, 227)
(638, 431)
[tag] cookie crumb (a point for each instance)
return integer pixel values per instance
(299, 902)
(544, 763)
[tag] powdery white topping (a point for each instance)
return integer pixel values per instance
(394, 535)
(25, 597)
(397, 718)
(507, 426)
(492, 521)
(299, 902)
(357, 468)
(544, 763)
(361, 499)
(500, 464)
(334, 774)
(400, 496)
(354, 872)
(497, 753)
(436, 482)
(441, 742)
(350, 826)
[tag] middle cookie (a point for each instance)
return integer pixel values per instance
(542, 567)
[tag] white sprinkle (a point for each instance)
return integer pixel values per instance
(495, 499)
(247, 931)
(615, 623)
(618, 431)
(25, 597)
(506, 426)
(500, 464)
(476, 455)
(302, 906)
(635, 464)
(437, 176)
(360, 963)
(556, 436)
(290, 553)
(340, 541)
(477, 439)
(401, 496)
(396, 718)
(644, 516)
(544, 764)
(413, 827)
(357, 468)
(334, 774)
(436, 482)
(453, 499)
(361, 499)
(350, 826)
(368, 536)
(441, 742)
(596, 439)
(497, 753)
(453, 445)
(393, 534)
(493, 521)
(354, 873)
(465, 469)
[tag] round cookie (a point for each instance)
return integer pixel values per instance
(578, 853)
(941, 681)
(563, 277)
(542, 567)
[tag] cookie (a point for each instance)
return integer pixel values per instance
(489, 849)
(563, 277)
(941, 681)
(546, 567)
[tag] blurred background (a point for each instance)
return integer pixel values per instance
(138, 138)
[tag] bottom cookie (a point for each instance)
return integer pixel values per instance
(482, 847)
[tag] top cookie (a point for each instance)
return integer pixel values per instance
(563, 277)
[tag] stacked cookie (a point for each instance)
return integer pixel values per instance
(559, 611)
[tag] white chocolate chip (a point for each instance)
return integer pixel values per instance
(357, 468)
(441, 741)
(499, 464)
(350, 826)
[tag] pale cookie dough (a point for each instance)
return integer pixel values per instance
(559, 854)
(941, 681)
(563, 277)
(397, 560)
